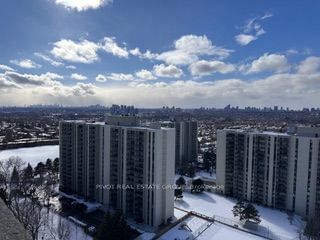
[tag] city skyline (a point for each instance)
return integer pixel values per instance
(183, 53)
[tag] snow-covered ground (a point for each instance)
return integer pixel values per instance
(54, 221)
(32, 155)
(273, 222)
(195, 227)
(145, 236)
(206, 175)
(178, 214)
(210, 204)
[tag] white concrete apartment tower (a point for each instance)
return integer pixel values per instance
(279, 170)
(121, 165)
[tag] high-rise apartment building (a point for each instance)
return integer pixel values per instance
(121, 165)
(186, 147)
(279, 170)
(186, 142)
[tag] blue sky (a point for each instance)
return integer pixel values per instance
(154, 53)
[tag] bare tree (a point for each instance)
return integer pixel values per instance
(59, 230)
(22, 195)
(30, 213)
(46, 190)
(63, 229)
(36, 221)
(25, 196)
(6, 169)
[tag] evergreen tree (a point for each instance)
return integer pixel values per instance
(49, 165)
(124, 230)
(180, 181)
(55, 165)
(105, 227)
(113, 227)
(209, 160)
(15, 176)
(28, 173)
(197, 185)
(250, 213)
(178, 193)
(39, 169)
(238, 209)
(246, 212)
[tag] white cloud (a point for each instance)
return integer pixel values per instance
(245, 39)
(177, 57)
(267, 15)
(6, 68)
(71, 67)
(86, 51)
(201, 45)
(101, 78)
(292, 51)
(30, 79)
(146, 55)
(6, 84)
(145, 75)
(139, 76)
(78, 77)
(170, 71)
(115, 77)
(203, 67)
(82, 5)
(110, 46)
(309, 65)
(251, 30)
(25, 63)
(68, 50)
(292, 90)
(48, 59)
(268, 62)
(188, 48)
(260, 32)
(120, 77)
(83, 89)
(43, 88)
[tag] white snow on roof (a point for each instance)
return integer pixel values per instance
(195, 227)
(219, 231)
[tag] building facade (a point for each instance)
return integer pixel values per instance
(186, 142)
(278, 170)
(122, 166)
(186, 146)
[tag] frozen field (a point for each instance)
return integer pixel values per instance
(32, 155)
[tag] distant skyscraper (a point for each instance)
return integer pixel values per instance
(274, 169)
(93, 155)
(186, 142)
